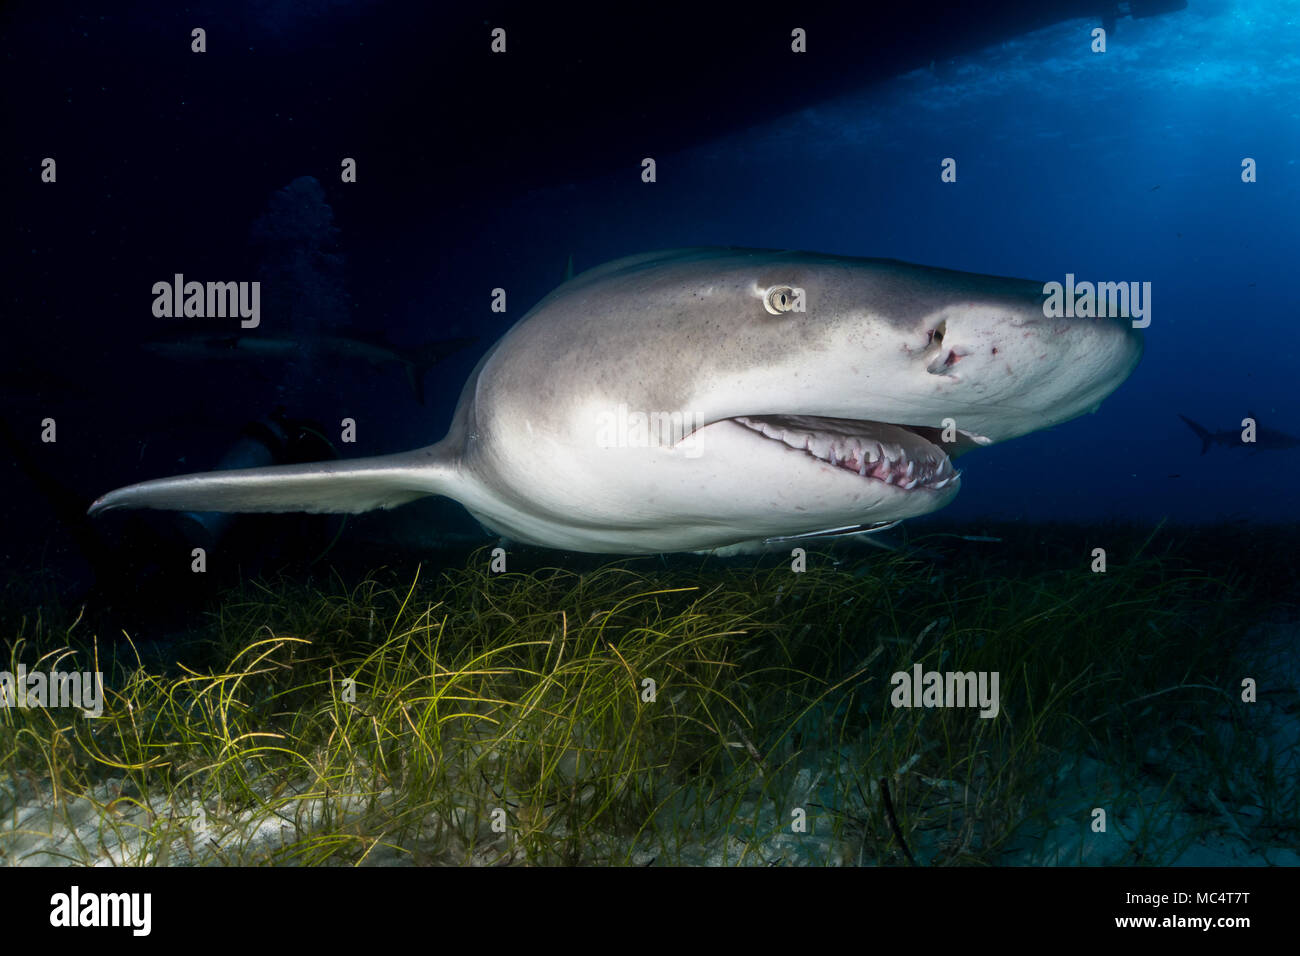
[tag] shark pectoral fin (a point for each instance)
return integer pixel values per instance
(337, 487)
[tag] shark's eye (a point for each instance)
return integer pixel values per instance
(779, 299)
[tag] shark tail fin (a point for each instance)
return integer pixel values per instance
(1204, 434)
(326, 487)
(424, 357)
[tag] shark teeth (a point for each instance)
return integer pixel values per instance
(878, 451)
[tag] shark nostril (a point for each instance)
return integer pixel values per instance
(945, 361)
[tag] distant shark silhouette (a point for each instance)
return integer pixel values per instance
(206, 347)
(1266, 439)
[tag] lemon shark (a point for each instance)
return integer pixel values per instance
(699, 398)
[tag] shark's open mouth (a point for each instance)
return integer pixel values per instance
(907, 457)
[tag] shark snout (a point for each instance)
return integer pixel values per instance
(1098, 352)
(1005, 376)
(1078, 362)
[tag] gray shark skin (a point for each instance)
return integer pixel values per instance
(817, 393)
(1266, 439)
